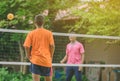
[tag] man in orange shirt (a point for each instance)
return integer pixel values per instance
(42, 43)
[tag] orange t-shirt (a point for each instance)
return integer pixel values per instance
(40, 39)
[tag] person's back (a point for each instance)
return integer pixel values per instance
(40, 54)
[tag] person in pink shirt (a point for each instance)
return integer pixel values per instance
(74, 55)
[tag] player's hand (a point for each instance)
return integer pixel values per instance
(28, 57)
(80, 68)
(62, 62)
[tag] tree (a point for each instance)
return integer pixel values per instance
(100, 18)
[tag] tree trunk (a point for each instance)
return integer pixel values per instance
(23, 68)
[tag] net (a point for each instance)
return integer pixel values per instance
(12, 41)
(101, 57)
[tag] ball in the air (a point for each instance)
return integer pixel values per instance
(10, 16)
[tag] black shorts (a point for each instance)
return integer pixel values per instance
(40, 70)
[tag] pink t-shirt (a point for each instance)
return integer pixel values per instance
(74, 52)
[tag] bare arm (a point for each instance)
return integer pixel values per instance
(83, 56)
(82, 61)
(52, 49)
(64, 59)
(28, 54)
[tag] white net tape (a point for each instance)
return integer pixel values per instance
(64, 34)
(62, 65)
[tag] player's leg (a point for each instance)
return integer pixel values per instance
(78, 74)
(69, 73)
(35, 70)
(35, 77)
(48, 78)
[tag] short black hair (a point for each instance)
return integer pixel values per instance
(39, 20)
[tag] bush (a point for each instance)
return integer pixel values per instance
(9, 76)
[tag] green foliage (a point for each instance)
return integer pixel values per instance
(16, 37)
(25, 10)
(7, 76)
(97, 18)
(13, 76)
(101, 18)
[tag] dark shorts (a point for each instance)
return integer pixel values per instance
(40, 70)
